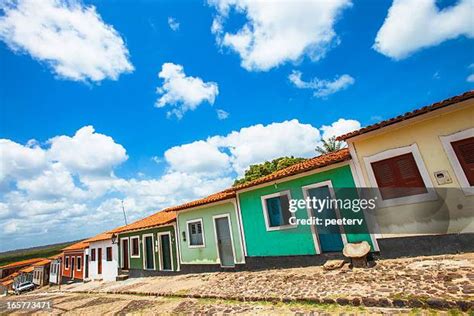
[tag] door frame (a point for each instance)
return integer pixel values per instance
(226, 215)
(152, 235)
(314, 232)
(160, 251)
(99, 261)
(122, 255)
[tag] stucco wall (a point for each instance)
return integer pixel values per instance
(137, 263)
(209, 253)
(109, 268)
(425, 133)
(294, 241)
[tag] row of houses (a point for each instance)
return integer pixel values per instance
(418, 168)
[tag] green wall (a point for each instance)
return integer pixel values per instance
(298, 240)
(207, 254)
(137, 263)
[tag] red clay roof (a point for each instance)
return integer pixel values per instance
(21, 263)
(426, 109)
(157, 219)
(215, 197)
(105, 235)
(27, 269)
(307, 165)
(77, 246)
(41, 263)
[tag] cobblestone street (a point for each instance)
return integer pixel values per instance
(439, 282)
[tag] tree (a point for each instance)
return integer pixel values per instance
(259, 170)
(330, 145)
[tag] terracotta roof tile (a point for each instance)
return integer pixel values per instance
(215, 197)
(27, 269)
(426, 109)
(21, 263)
(41, 263)
(157, 219)
(105, 235)
(307, 165)
(77, 246)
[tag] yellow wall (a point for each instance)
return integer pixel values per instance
(425, 131)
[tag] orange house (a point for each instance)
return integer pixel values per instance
(74, 263)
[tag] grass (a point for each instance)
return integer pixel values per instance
(31, 253)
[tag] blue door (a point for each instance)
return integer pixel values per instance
(330, 239)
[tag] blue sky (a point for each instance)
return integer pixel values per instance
(104, 83)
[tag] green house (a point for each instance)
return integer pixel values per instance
(271, 232)
(210, 234)
(148, 246)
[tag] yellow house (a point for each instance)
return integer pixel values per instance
(422, 166)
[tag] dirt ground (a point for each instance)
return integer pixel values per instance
(120, 304)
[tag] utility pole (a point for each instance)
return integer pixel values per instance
(124, 215)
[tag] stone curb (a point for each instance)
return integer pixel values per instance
(433, 303)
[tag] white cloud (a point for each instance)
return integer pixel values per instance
(278, 32)
(221, 114)
(173, 24)
(87, 151)
(339, 127)
(55, 188)
(20, 161)
(183, 93)
(470, 78)
(183, 158)
(322, 88)
(414, 25)
(71, 38)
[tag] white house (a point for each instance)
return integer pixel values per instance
(103, 257)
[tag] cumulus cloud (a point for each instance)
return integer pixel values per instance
(87, 151)
(68, 36)
(183, 93)
(278, 32)
(70, 180)
(322, 88)
(339, 127)
(173, 24)
(413, 25)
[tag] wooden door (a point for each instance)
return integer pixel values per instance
(125, 254)
(99, 260)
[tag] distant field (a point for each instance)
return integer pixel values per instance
(30, 253)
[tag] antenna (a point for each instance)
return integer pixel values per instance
(124, 215)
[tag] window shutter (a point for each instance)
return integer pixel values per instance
(285, 209)
(398, 176)
(464, 150)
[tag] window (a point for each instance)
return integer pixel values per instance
(92, 254)
(464, 150)
(108, 251)
(135, 241)
(398, 177)
(66, 263)
(195, 233)
(79, 261)
(276, 208)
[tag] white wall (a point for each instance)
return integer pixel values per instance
(109, 268)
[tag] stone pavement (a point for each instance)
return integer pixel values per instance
(120, 304)
(439, 282)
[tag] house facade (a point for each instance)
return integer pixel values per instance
(55, 270)
(209, 233)
(422, 164)
(271, 238)
(74, 262)
(41, 272)
(103, 257)
(148, 246)
(8, 269)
